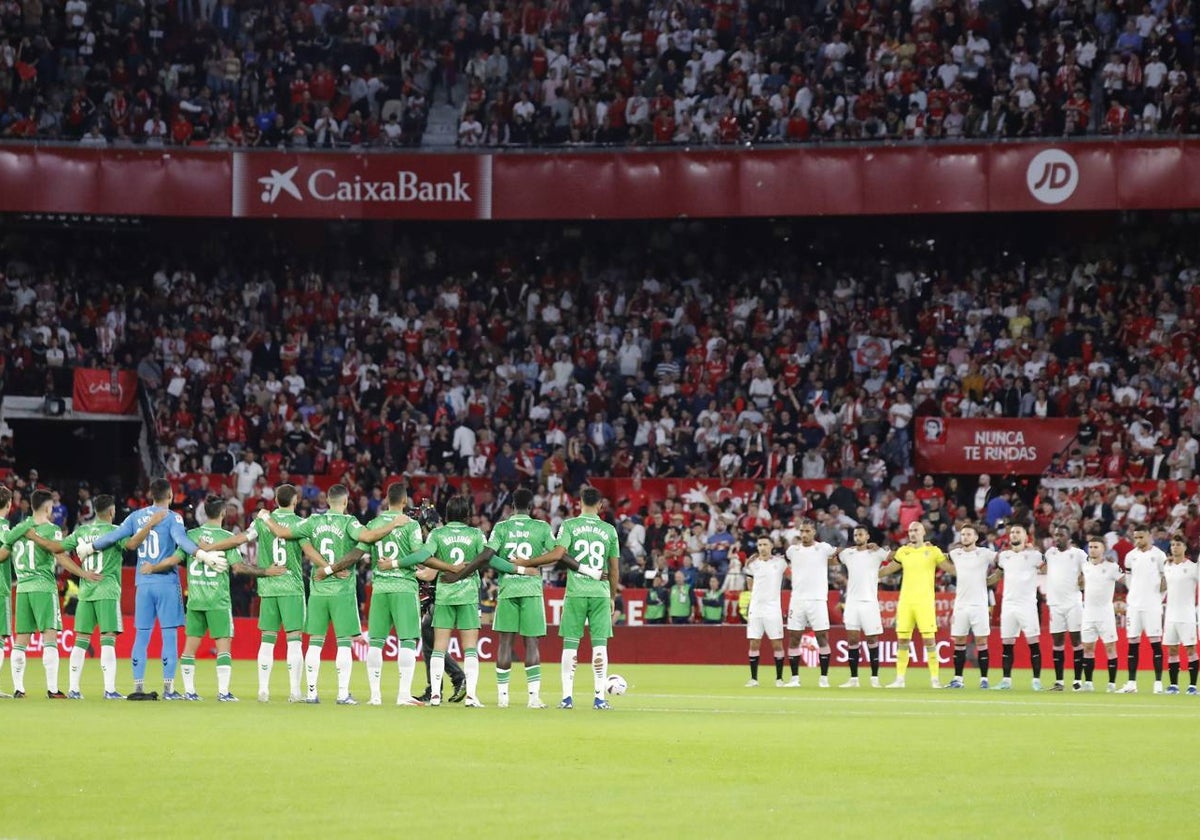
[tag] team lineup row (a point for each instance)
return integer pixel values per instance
(401, 551)
(1079, 593)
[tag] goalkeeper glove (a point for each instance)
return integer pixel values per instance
(251, 534)
(84, 549)
(215, 560)
(588, 571)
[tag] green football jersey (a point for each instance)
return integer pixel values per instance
(271, 549)
(520, 536)
(6, 567)
(33, 565)
(395, 546)
(592, 542)
(457, 544)
(208, 589)
(333, 535)
(106, 562)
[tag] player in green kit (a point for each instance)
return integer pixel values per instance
(37, 591)
(99, 603)
(5, 581)
(332, 597)
(593, 543)
(520, 609)
(209, 608)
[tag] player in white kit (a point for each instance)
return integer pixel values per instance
(1064, 565)
(1100, 578)
(1144, 605)
(1179, 627)
(809, 607)
(970, 564)
(765, 571)
(1019, 565)
(861, 614)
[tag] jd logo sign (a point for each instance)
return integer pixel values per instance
(1052, 176)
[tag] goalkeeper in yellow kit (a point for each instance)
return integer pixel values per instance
(919, 562)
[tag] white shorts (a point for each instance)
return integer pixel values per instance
(864, 617)
(1104, 629)
(770, 623)
(977, 620)
(1066, 618)
(1020, 620)
(803, 615)
(1180, 633)
(1138, 622)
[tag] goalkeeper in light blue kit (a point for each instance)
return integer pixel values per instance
(158, 595)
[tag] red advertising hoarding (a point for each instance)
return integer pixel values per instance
(726, 182)
(101, 391)
(996, 445)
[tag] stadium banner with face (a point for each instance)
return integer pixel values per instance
(100, 391)
(1004, 446)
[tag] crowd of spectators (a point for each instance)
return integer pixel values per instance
(549, 355)
(331, 74)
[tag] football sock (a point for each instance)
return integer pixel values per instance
(2, 639)
(794, 660)
(1035, 659)
(901, 659)
(1132, 660)
(502, 677)
(1173, 670)
(1007, 660)
(1156, 652)
(823, 658)
(1077, 662)
(754, 667)
(437, 668)
(600, 669)
(1060, 660)
(1089, 667)
(141, 643)
(375, 669)
(873, 655)
(266, 661)
(932, 661)
(312, 664)
(533, 678)
(778, 667)
(406, 660)
(344, 664)
(471, 669)
(108, 663)
(1112, 669)
(50, 664)
(1193, 671)
(170, 656)
(570, 656)
(960, 661)
(78, 656)
(295, 665)
(187, 668)
(853, 662)
(224, 672)
(18, 668)
(985, 660)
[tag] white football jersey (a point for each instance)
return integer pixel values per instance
(970, 575)
(1020, 576)
(862, 573)
(768, 580)
(1099, 581)
(1063, 569)
(810, 571)
(1181, 591)
(1144, 578)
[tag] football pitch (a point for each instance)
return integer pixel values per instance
(687, 752)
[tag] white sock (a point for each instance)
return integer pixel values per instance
(50, 663)
(78, 655)
(569, 658)
(224, 672)
(188, 672)
(535, 685)
(295, 666)
(344, 662)
(266, 661)
(471, 669)
(502, 677)
(375, 672)
(312, 668)
(600, 669)
(407, 660)
(437, 667)
(1, 655)
(18, 670)
(108, 667)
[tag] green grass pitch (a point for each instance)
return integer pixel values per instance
(687, 752)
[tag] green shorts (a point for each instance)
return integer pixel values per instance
(5, 615)
(456, 616)
(285, 610)
(596, 612)
(401, 610)
(104, 614)
(524, 615)
(341, 609)
(218, 623)
(38, 612)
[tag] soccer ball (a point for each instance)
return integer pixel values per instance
(616, 685)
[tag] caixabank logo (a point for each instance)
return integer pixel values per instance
(1052, 176)
(361, 186)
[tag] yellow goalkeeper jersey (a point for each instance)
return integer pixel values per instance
(920, 567)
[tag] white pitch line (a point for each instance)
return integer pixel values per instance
(1105, 713)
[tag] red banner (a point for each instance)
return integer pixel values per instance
(1000, 446)
(850, 180)
(105, 391)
